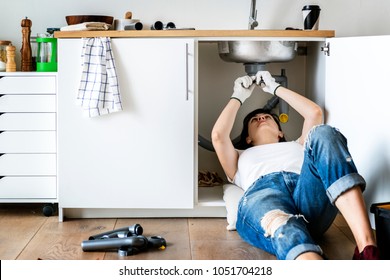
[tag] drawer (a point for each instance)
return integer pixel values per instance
(27, 165)
(27, 121)
(28, 142)
(27, 85)
(28, 187)
(27, 103)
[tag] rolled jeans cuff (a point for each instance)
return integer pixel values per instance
(343, 184)
(303, 248)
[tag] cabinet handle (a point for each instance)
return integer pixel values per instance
(187, 86)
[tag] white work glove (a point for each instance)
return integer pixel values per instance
(243, 88)
(267, 82)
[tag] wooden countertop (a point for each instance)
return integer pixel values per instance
(196, 33)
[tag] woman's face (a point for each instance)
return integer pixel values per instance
(263, 129)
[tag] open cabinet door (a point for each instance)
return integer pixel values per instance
(357, 102)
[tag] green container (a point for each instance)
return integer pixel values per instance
(47, 55)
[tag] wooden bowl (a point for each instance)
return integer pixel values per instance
(76, 19)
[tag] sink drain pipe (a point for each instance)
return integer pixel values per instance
(251, 69)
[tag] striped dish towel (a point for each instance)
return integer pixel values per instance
(99, 90)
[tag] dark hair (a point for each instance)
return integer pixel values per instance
(241, 144)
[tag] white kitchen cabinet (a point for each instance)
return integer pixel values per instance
(143, 161)
(28, 138)
(356, 102)
(142, 157)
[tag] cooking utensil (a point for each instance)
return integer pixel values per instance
(76, 19)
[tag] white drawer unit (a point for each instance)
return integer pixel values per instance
(28, 144)
(27, 84)
(27, 164)
(27, 103)
(28, 187)
(27, 121)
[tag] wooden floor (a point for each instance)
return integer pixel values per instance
(26, 234)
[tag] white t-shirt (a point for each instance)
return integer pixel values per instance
(261, 160)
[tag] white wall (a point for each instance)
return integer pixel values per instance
(347, 17)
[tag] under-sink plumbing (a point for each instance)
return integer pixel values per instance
(251, 69)
(253, 16)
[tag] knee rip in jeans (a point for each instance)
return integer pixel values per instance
(274, 219)
(307, 143)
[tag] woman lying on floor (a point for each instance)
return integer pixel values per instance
(293, 190)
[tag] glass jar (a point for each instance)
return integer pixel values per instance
(46, 53)
(3, 54)
(34, 49)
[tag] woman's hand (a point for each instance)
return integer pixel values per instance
(243, 88)
(310, 111)
(267, 82)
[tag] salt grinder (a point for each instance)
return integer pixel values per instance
(11, 65)
(26, 46)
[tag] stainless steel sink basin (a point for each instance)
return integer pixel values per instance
(256, 51)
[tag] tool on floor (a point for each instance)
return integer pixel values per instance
(128, 241)
(135, 229)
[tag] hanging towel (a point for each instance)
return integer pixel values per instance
(99, 90)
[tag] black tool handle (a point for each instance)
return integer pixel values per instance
(135, 229)
(114, 243)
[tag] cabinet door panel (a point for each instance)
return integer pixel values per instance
(356, 102)
(142, 157)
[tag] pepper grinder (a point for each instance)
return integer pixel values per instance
(26, 46)
(11, 65)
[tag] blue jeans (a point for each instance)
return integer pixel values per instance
(283, 212)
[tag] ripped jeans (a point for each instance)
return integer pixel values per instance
(283, 212)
